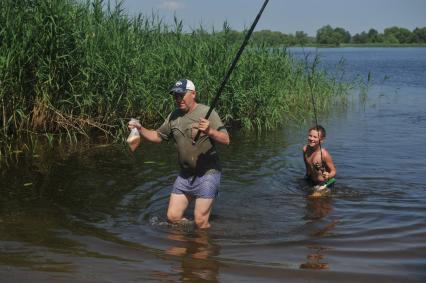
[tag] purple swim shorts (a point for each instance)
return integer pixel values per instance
(206, 186)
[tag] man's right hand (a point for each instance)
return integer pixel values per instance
(134, 124)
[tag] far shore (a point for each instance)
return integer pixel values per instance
(345, 45)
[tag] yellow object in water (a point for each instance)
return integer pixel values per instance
(322, 190)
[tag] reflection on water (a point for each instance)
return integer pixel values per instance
(315, 259)
(196, 253)
(317, 209)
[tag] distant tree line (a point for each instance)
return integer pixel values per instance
(328, 35)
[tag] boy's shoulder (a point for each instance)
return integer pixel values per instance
(325, 152)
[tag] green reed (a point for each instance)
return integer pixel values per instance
(83, 69)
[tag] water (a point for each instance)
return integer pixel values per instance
(98, 215)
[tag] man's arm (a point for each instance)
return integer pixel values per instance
(221, 137)
(150, 135)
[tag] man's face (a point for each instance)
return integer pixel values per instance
(185, 101)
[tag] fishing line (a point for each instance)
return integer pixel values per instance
(231, 68)
(314, 107)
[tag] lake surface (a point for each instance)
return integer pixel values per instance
(99, 215)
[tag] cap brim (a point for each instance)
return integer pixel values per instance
(177, 90)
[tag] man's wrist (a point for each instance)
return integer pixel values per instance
(209, 131)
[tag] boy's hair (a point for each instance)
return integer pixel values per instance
(320, 130)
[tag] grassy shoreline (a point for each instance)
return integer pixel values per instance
(73, 70)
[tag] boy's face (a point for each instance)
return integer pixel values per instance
(314, 138)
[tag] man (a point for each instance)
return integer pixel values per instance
(200, 173)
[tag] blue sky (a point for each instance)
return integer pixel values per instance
(288, 16)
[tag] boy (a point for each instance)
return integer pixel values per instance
(320, 168)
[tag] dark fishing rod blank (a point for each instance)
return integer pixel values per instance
(232, 67)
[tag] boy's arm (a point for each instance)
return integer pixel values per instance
(306, 162)
(330, 165)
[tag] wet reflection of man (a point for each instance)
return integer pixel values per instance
(197, 252)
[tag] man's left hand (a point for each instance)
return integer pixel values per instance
(204, 126)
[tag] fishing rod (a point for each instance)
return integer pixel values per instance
(315, 108)
(231, 68)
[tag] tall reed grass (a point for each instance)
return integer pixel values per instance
(83, 68)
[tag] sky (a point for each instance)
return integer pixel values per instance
(287, 16)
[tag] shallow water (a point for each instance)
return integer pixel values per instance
(98, 215)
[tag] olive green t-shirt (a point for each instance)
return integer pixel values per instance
(182, 128)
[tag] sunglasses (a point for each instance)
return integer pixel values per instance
(178, 95)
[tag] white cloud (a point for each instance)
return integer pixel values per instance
(170, 5)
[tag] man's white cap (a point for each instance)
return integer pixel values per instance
(182, 86)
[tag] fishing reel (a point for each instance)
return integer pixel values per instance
(318, 166)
